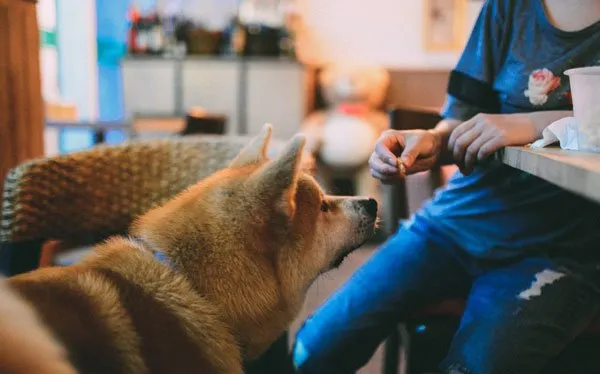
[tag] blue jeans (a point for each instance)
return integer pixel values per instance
(519, 314)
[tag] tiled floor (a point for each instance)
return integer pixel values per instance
(329, 282)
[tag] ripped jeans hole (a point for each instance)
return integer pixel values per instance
(542, 279)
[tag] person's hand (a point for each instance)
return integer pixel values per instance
(481, 136)
(418, 150)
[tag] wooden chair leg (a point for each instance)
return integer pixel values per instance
(391, 353)
(49, 251)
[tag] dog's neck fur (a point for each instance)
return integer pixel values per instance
(158, 254)
(249, 331)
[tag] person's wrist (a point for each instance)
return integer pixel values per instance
(438, 139)
(538, 121)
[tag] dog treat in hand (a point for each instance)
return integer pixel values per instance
(400, 166)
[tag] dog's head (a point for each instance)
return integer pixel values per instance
(255, 235)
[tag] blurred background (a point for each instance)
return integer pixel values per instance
(110, 62)
(118, 70)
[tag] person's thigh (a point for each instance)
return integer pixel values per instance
(518, 317)
(411, 269)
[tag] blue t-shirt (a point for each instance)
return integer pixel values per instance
(514, 62)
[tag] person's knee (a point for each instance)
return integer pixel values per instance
(300, 354)
(311, 353)
(307, 361)
(322, 351)
(302, 359)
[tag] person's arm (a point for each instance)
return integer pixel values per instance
(470, 88)
(471, 135)
(443, 130)
(516, 129)
(467, 131)
(540, 121)
(543, 119)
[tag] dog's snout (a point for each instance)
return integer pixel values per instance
(370, 206)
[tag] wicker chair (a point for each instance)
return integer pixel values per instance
(95, 193)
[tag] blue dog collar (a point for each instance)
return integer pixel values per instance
(163, 259)
(158, 255)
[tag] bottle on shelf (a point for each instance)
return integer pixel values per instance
(156, 40)
(133, 17)
(233, 38)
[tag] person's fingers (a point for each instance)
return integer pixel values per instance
(390, 144)
(417, 147)
(375, 163)
(488, 148)
(470, 157)
(459, 130)
(422, 164)
(410, 153)
(394, 140)
(377, 175)
(462, 143)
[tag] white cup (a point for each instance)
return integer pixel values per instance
(585, 92)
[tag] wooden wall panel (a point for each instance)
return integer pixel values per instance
(418, 88)
(21, 104)
(7, 154)
(412, 89)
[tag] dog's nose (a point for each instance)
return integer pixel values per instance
(370, 206)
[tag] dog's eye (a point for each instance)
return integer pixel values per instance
(324, 207)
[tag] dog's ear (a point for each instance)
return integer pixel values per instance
(256, 151)
(278, 180)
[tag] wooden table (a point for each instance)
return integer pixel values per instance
(578, 172)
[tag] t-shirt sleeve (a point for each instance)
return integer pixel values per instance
(470, 87)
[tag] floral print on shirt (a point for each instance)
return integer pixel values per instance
(541, 83)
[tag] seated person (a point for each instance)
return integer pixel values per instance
(522, 251)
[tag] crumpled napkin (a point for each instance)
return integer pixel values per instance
(564, 131)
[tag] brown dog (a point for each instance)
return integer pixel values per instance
(208, 279)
